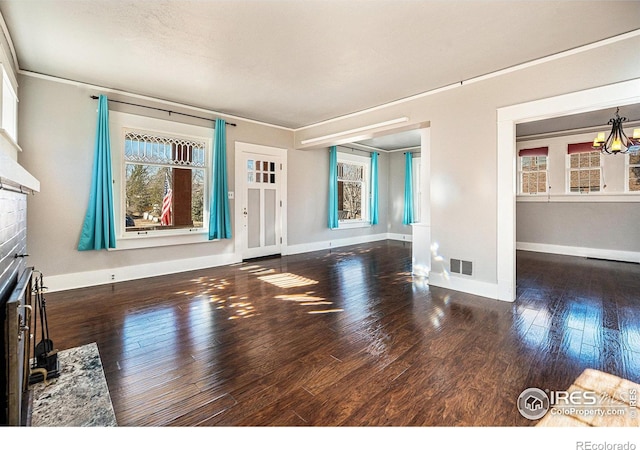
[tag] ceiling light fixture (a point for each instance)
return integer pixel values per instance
(617, 141)
(355, 130)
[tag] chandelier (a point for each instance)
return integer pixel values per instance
(617, 141)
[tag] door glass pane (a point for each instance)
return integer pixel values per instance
(265, 166)
(253, 218)
(272, 167)
(270, 217)
(250, 164)
(273, 178)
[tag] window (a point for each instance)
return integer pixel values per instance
(585, 171)
(633, 172)
(165, 182)
(353, 188)
(533, 170)
(9, 107)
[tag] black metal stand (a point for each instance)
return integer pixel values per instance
(44, 364)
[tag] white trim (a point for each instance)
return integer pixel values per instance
(13, 173)
(135, 272)
(120, 123)
(102, 89)
(600, 253)
(12, 49)
(619, 94)
(591, 197)
(526, 65)
(334, 243)
(408, 237)
(373, 126)
(470, 286)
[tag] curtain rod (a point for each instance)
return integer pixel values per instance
(95, 97)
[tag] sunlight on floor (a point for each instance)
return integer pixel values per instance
(287, 280)
(307, 299)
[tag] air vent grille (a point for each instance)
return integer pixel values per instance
(460, 266)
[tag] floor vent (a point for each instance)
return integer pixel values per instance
(461, 267)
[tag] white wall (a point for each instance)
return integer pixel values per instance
(308, 181)
(463, 153)
(57, 132)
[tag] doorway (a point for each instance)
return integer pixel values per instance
(583, 101)
(260, 200)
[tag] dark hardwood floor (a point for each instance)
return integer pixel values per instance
(349, 338)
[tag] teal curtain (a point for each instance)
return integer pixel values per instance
(98, 230)
(333, 187)
(407, 217)
(219, 217)
(374, 188)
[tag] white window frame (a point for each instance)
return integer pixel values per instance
(120, 123)
(365, 162)
(627, 167)
(521, 172)
(569, 170)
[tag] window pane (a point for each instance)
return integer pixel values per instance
(525, 183)
(574, 181)
(634, 158)
(350, 172)
(160, 197)
(542, 182)
(574, 160)
(144, 148)
(542, 163)
(351, 200)
(526, 163)
(594, 180)
(584, 180)
(584, 159)
(595, 159)
(634, 179)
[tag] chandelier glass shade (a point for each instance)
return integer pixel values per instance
(617, 141)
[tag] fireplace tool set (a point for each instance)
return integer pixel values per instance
(44, 364)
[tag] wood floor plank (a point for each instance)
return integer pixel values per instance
(351, 339)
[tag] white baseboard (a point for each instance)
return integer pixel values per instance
(400, 237)
(127, 273)
(470, 286)
(77, 280)
(334, 243)
(614, 255)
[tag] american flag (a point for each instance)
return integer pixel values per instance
(165, 217)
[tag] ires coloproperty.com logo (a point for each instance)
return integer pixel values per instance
(534, 403)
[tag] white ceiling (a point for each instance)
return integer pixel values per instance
(296, 62)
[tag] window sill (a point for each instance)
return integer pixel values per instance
(353, 224)
(159, 240)
(621, 197)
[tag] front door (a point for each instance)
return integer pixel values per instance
(259, 186)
